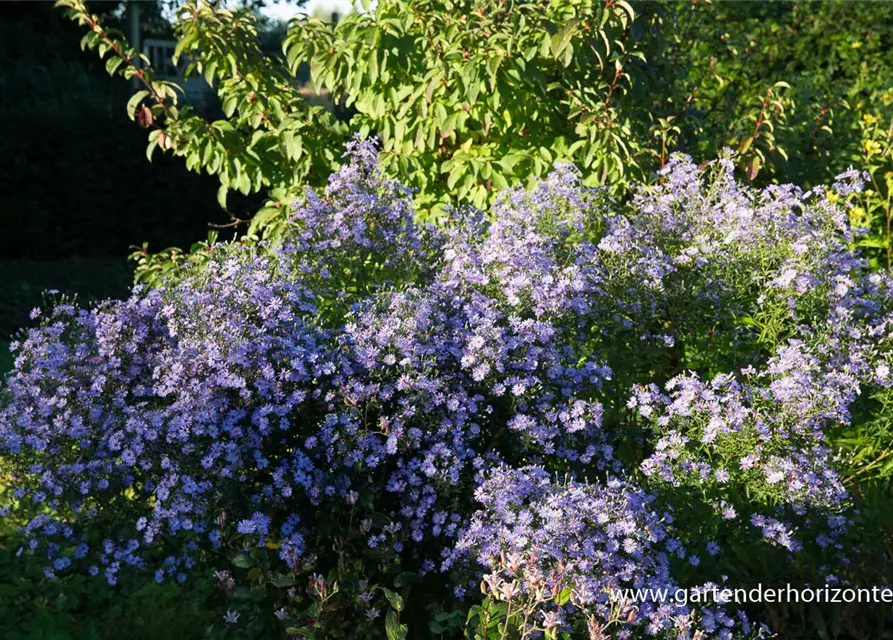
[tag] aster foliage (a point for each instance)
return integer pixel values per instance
(554, 399)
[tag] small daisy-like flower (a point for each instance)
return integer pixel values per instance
(231, 617)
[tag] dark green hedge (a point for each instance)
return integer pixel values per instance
(78, 184)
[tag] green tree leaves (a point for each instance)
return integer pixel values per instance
(454, 88)
(469, 98)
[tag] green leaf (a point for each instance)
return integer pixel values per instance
(546, 45)
(372, 69)
(229, 105)
(261, 219)
(134, 102)
(281, 580)
(243, 561)
(112, 64)
(244, 183)
(393, 629)
(626, 7)
(395, 599)
(568, 55)
(564, 597)
(562, 39)
(150, 149)
(454, 176)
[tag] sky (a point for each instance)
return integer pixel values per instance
(284, 11)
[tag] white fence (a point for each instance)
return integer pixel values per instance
(160, 54)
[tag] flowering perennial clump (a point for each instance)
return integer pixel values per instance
(558, 550)
(540, 393)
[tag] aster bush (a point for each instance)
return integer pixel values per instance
(361, 426)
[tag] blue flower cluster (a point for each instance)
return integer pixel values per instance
(375, 369)
(576, 548)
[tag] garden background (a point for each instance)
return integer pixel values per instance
(799, 92)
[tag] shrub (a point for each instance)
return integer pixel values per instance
(471, 97)
(327, 413)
